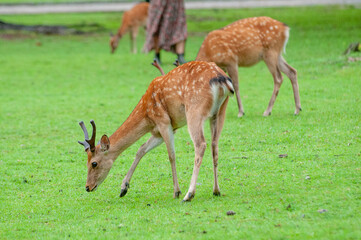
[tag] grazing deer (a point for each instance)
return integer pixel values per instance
(245, 43)
(133, 19)
(189, 94)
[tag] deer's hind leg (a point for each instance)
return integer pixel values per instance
(271, 60)
(216, 124)
(292, 75)
(195, 122)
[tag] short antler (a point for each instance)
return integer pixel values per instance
(156, 64)
(92, 140)
(88, 144)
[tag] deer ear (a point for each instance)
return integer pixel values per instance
(104, 143)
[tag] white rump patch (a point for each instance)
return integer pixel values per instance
(217, 101)
(287, 35)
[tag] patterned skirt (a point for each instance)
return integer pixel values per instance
(167, 20)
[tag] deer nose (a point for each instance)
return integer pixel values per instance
(87, 189)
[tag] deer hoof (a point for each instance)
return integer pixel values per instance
(217, 193)
(266, 114)
(123, 192)
(177, 194)
(298, 111)
(241, 114)
(188, 197)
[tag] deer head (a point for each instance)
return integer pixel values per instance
(99, 161)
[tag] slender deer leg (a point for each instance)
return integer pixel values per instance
(195, 127)
(168, 137)
(271, 60)
(133, 39)
(292, 75)
(152, 143)
(216, 129)
(233, 74)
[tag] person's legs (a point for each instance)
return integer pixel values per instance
(179, 48)
(156, 49)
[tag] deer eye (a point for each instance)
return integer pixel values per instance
(94, 164)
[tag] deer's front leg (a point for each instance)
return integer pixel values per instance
(133, 39)
(152, 142)
(233, 74)
(168, 137)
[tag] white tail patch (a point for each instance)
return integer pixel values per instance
(217, 100)
(230, 86)
(287, 35)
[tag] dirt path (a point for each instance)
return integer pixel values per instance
(116, 7)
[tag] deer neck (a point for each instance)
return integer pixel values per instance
(128, 133)
(121, 31)
(116, 38)
(201, 56)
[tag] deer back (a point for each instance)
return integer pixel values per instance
(244, 41)
(189, 86)
(135, 17)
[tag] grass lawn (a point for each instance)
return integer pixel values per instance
(50, 83)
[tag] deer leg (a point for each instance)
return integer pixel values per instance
(233, 74)
(152, 143)
(133, 39)
(168, 137)
(272, 64)
(292, 75)
(216, 129)
(195, 128)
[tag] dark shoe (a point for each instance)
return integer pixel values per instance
(181, 59)
(157, 58)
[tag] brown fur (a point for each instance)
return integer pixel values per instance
(186, 95)
(245, 43)
(133, 19)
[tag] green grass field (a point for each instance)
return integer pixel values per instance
(50, 83)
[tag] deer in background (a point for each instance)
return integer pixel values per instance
(245, 43)
(133, 19)
(189, 94)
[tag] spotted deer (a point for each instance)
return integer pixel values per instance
(189, 94)
(133, 19)
(245, 43)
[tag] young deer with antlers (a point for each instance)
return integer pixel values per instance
(133, 19)
(189, 94)
(245, 43)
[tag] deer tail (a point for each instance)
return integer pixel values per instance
(225, 81)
